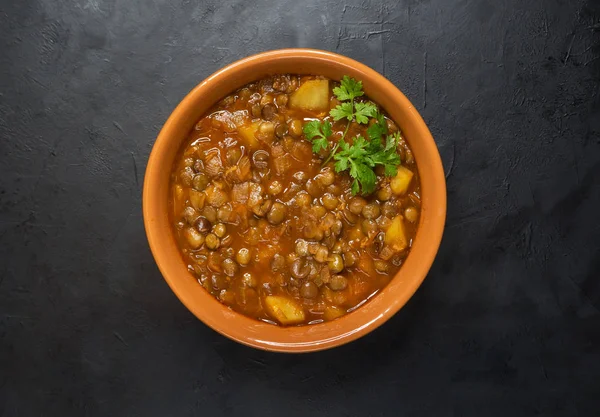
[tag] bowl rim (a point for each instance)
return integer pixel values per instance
(313, 337)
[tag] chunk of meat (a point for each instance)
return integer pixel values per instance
(255, 196)
(240, 192)
(213, 164)
(282, 164)
(216, 196)
(239, 172)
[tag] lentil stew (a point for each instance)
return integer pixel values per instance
(274, 212)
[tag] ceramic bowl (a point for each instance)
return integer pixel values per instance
(310, 337)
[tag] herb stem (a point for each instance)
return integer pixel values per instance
(337, 145)
(330, 155)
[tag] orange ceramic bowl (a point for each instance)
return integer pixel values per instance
(310, 337)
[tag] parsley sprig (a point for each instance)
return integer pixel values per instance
(361, 156)
(318, 132)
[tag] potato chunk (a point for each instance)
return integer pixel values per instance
(395, 235)
(401, 181)
(332, 313)
(313, 95)
(247, 132)
(285, 310)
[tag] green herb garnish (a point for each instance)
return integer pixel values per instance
(349, 89)
(378, 129)
(355, 157)
(362, 156)
(317, 132)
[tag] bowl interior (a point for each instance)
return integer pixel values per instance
(310, 337)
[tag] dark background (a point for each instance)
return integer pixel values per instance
(507, 322)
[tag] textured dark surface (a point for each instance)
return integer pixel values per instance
(506, 324)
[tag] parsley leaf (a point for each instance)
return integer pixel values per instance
(364, 173)
(388, 156)
(363, 111)
(349, 89)
(317, 132)
(356, 158)
(312, 129)
(360, 111)
(361, 158)
(318, 144)
(378, 129)
(341, 163)
(355, 187)
(344, 110)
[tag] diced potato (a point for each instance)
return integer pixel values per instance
(285, 310)
(395, 235)
(247, 132)
(365, 264)
(361, 287)
(197, 199)
(332, 313)
(401, 181)
(327, 294)
(340, 297)
(335, 297)
(313, 95)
